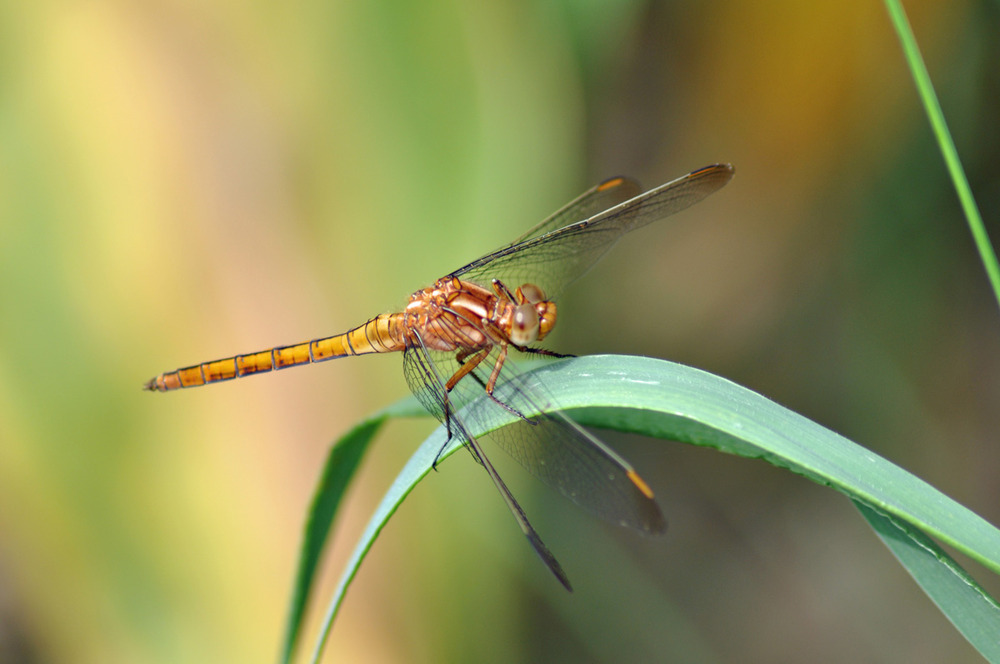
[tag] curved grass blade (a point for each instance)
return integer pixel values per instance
(344, 458)
(667, 400)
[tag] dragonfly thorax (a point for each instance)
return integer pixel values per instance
(460, 315)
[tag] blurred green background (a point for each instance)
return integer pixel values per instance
(181, 181)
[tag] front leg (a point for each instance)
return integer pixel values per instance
(542, 351)
(492, 383)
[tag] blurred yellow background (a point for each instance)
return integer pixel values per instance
(181, 181)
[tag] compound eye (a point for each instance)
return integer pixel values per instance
(531, 293)
(524, 328)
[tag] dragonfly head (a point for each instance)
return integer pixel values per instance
(533, 316)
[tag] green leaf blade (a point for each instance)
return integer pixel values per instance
(973, 612)
(671, 401)
(343, 461)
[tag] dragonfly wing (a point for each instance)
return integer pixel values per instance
(597, 199)
(559, 256)
(423, 380)
(557, 450)
(424, 370)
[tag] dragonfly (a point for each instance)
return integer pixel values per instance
(457, 334)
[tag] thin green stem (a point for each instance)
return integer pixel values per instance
(926, 92)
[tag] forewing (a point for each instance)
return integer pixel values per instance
(560, 255)
(597, 199)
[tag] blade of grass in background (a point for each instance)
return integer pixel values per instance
(667, 400)
(344, 459)
(925, 90)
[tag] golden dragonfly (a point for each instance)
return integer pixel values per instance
(456, 336)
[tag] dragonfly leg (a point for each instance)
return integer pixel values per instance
(464, 354)
(492, 382)
(501, 358)
(465, 367)
(468, 361)
(502, 290)
(543, 351)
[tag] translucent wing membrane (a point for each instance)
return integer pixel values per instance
(565, 456)
(553, 448)
(597, 199)
(557, 450)
(423, 374)
(552, 257)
